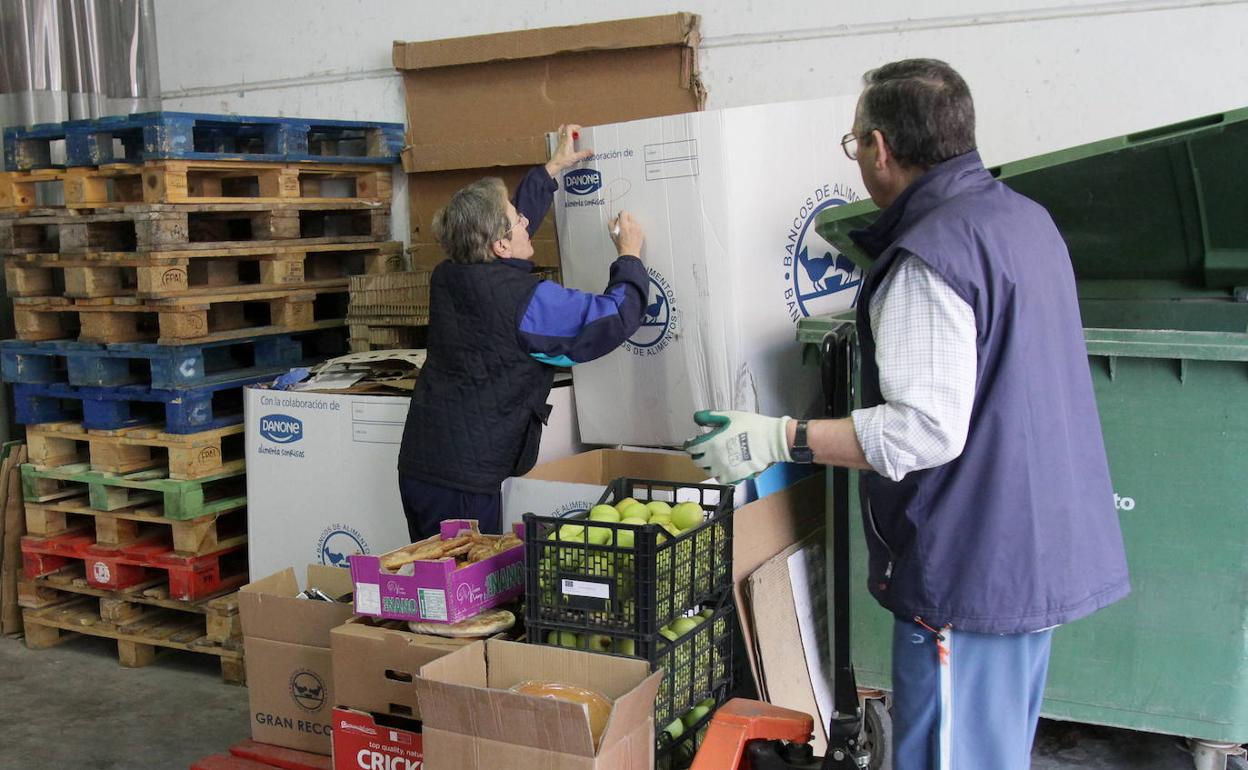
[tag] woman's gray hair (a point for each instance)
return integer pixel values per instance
(470, 222)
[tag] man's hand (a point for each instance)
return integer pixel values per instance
(566, 153)
(627, 234)
(741, 444)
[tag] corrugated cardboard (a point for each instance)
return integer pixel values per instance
(763, 529)
(533, 81)
(268, 608)
(471, 721)
(376, 664)
(576, 483)
(290, 668)
(728, 200)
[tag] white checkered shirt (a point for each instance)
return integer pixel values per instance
(927, 358)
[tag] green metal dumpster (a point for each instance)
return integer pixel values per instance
(1157, 225)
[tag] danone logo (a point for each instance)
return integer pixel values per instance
(281, 428)
(582, 181)
(659, 318)
(818, 279)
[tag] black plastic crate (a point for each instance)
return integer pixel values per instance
(678, 753)
(583, 575)
(697, 664)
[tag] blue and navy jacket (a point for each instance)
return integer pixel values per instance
(1019, 533)
(497, 334)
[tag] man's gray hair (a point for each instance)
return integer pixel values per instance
(470, 222)
(924, 109)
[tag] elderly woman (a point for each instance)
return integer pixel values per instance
(497, 335)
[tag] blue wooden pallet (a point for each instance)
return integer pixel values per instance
(182, 411)
(165, 367)
(196, 136)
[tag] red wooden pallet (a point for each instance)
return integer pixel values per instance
(115, 568)
(250, 755)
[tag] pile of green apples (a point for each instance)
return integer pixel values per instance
(674, 519)
(683, 755)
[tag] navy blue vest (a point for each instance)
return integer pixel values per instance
(479, 403)
(1018, 533)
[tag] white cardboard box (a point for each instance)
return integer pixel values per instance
(322, 478)
(727, 199)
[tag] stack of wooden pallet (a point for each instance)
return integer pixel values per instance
(168, 262)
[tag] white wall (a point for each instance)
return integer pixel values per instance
(1045, 74)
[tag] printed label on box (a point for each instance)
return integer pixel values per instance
(432, 603)
(368, 598)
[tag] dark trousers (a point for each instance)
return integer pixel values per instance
(428, 505)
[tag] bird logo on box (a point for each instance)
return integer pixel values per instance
(307, 690)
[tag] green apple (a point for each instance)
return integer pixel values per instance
(572, 533)
(625, 538)
(708, 704)
(668, 634)
(707, 612)
(660, 518)
(635, 511)
(563, 639)
(694, 716)
(604, 513)
(683, 626)
(635, 521)
(687, 515)
(675, 729)
(599, 643)
(626, 647)
(599, 535)
(671, 528)
(626, 502)
(658, 506)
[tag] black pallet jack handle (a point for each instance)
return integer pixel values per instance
(837, 370)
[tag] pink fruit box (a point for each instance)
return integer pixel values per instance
(437, 591)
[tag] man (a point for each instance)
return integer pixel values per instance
(988, 507)
(497, 334)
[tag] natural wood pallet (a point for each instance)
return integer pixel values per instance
(193, 227)
(186, 456)
(178, 273)
(183, 320)
(139, 635)
(219, 181)
(127, 526)
(179, 500)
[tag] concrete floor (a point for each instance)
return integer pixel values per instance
(73, 706)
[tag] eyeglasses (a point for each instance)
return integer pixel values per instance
(522, 221)
(849, 143)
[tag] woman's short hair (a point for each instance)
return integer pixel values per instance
(470, 222)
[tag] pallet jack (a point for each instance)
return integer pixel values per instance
(751, 735)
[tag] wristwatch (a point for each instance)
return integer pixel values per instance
(801, 451)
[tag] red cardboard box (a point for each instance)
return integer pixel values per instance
(439, 591)
(362, 744)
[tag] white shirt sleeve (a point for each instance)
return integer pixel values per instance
(925, 350)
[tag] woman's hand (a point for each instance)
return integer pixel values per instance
(566, 154)
(627, 234)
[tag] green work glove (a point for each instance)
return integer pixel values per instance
(741, 444)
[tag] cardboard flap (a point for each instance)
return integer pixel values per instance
(647, 32)
(477, 153)
(335, 581)
(269, 609)
(631, 709)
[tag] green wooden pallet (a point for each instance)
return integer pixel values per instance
(107, 492)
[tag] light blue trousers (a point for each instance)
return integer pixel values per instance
(967, 702)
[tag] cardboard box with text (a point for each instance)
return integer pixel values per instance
(289, 664)
(360, 743)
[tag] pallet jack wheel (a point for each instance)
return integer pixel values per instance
(877, 733)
